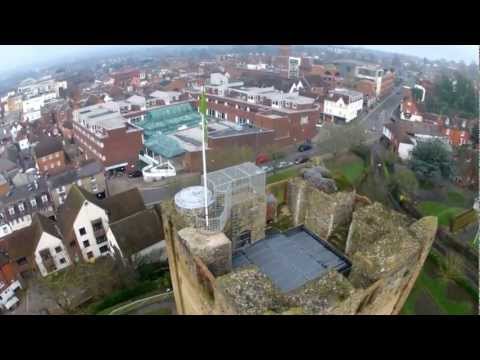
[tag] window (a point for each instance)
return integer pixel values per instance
(63, 261)
(104, 249)
(44, 198)
(33, 202)
(82, 231)
(97, 225)
(86, 243)
(58, 163)
(21, 207)
(58, 249)
(22, 261)
(90, 255)
(101, 239)
(57, 155)
(11, 211)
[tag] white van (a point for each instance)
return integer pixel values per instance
(12, 303)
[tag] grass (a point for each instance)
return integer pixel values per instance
(161, 311)
(282, 175)
(443, 212)
(434, 290)
(455, 198)
(349, 165)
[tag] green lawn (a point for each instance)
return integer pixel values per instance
(455, 198)
(162, 311)
(442, 211)
(282, 175)
(349, 165)
(433, 294)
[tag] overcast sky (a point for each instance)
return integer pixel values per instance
(13, 56)
(467, 53)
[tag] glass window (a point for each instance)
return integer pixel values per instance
(90, 255)
(104, 249)
(82, 231)
(58, 249)
(86, 243)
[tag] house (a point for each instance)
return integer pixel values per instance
(89, 175)
(119, 225)
(49, 155)
(342, 105)
(38, 247)
(409, 110)
(403, 135)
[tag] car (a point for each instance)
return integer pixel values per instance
(135, 174)
(304, 147)
(261, 159)
(282, 164)
(301, 160)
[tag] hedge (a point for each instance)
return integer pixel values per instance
(124, 295)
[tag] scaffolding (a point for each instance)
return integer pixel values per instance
(229, 188)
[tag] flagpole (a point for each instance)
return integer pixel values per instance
(204, 156)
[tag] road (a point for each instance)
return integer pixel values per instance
(373, 121)
(381, 114)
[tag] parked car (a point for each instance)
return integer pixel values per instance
(304, 147)
(135, 174)
(301, 160)
(262, 159)
(282, 164)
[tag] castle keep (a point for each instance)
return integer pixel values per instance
(344, 254)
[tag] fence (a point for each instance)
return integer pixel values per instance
(462, 220)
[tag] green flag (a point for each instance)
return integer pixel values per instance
(202, 106)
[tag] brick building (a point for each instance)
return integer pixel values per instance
(293, 118)
(104, 134)
(49, 155)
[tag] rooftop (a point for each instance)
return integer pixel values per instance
(291, 259)
(101, 116)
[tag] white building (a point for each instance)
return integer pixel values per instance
(32, 106)
(294, 67)
(404, 135)
(119, 225)
(219, 78)
(167, 97)
(343, 104)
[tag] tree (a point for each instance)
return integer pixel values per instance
(417, 94)
(95, 280)
(432, 160)
(343, 138)
(475, 134)
(404, 182)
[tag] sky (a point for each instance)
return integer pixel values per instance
(467, 53)
(13, 56)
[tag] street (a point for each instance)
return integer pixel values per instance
(381, 114)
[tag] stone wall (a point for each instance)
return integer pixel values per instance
(387, 251)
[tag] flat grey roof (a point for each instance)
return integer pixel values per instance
(292, 258)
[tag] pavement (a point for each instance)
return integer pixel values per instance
(34, 299)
